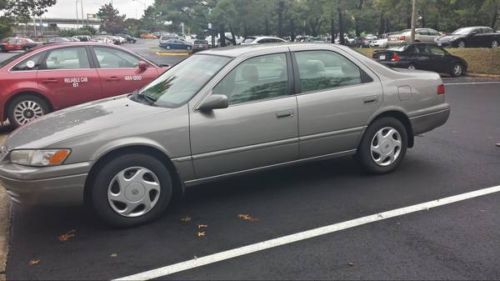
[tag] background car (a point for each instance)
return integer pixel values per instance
(475, 36)
(103, 39)
(423, 35)
(55, 76)
(17, 44)
(367, 40)
(200, 45)
(61, 40)
(379, 43)
(129, 38)
(83, 38)
(175, 44)
(253, 40)
(148, 36)
(422, 56)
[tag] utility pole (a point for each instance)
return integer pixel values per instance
(413, 20)
(76, 5)
(83, 19)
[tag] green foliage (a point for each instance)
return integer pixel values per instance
(111, 20)
(21, 11)
(86, 30)
(5, 27)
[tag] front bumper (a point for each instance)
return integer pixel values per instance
(61, 185)
(427, 121)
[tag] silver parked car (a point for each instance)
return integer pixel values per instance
(220, 113)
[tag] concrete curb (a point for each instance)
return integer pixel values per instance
(483, 75)
(4, 231)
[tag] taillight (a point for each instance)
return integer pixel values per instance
(441, 90)
(402, 38)
(395, 57)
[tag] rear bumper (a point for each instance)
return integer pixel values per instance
(430, 120)
(62, 185)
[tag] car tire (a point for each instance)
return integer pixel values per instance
(168, 47)
(107, 194)
(494, 44)
(461, 44)
(25, 108)
(457, 70)
(411, 67)
(381, 137)
(26, 49)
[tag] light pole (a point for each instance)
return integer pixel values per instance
(413, 20)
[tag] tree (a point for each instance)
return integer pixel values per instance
(111, 20)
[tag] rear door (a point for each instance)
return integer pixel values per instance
(66, 75)
(337, 99)
(439, 60)
(119, 71)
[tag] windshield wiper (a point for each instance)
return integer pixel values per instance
(143, 97)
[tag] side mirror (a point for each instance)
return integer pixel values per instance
(143, 65)
(214, 102)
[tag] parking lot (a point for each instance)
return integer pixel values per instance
(453, 241)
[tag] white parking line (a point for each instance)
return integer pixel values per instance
(472, 83)
(301, 236)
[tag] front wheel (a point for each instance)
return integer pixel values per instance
(461, 44)
(494, 44)
(411, 67)
(131, 189)
(383, 146)
(26, 108)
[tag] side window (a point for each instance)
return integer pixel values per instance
(31, 63)
(320, 70)
(255, 79)
(113, 58)
(67, 58)
(436, 51)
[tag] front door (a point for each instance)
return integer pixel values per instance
(67, 77)
(258, 129)
(337, 99)
(120, 72)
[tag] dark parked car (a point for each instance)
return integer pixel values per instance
(127, 37)
(200, 45)
(475, 36)
(422, 56)
(176, 44)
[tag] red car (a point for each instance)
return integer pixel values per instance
(52, 77)
(17, 44)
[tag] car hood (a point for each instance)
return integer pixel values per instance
(448, 38)
(82, 121)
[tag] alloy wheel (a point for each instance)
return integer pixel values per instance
(134, 191)
(26, 111)
(457, 70)
(494, 44)
(386, 146)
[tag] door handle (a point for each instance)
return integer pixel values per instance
(371, 99)
(113, 78)
(50, 80)
(284, 114)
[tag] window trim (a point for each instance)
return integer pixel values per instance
(290, 75)
(298, 85)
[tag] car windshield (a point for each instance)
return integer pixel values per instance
(463, 31)
(398, 49)
(180, 83)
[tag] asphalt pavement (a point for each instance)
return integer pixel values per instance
(457, 241)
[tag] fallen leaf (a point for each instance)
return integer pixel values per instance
(200, 226)
(114, 255)
(67, 236)
(186, 219)
(247, 217)
(201, 234)
(34, 262)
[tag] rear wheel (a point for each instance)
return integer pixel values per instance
(457, 70)
(461, 44)
(131, 189)
(494, 44)
(383, 146)
(26, 108)
(412, 67)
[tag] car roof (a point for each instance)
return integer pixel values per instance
(236, 51)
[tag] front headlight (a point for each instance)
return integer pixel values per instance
(39, 158)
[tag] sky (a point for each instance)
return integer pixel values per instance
(67, 8)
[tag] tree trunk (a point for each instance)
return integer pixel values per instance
(222, 35)
(267, 27)
(292, 30)
(281, 7)
(332, 29)
(233, 39)
(381, 25)
(341, 26)
(495, 16)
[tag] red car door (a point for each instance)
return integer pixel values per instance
(67, 77)
(120, 71)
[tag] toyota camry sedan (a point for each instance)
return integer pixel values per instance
(60, 75)
(220, 113)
